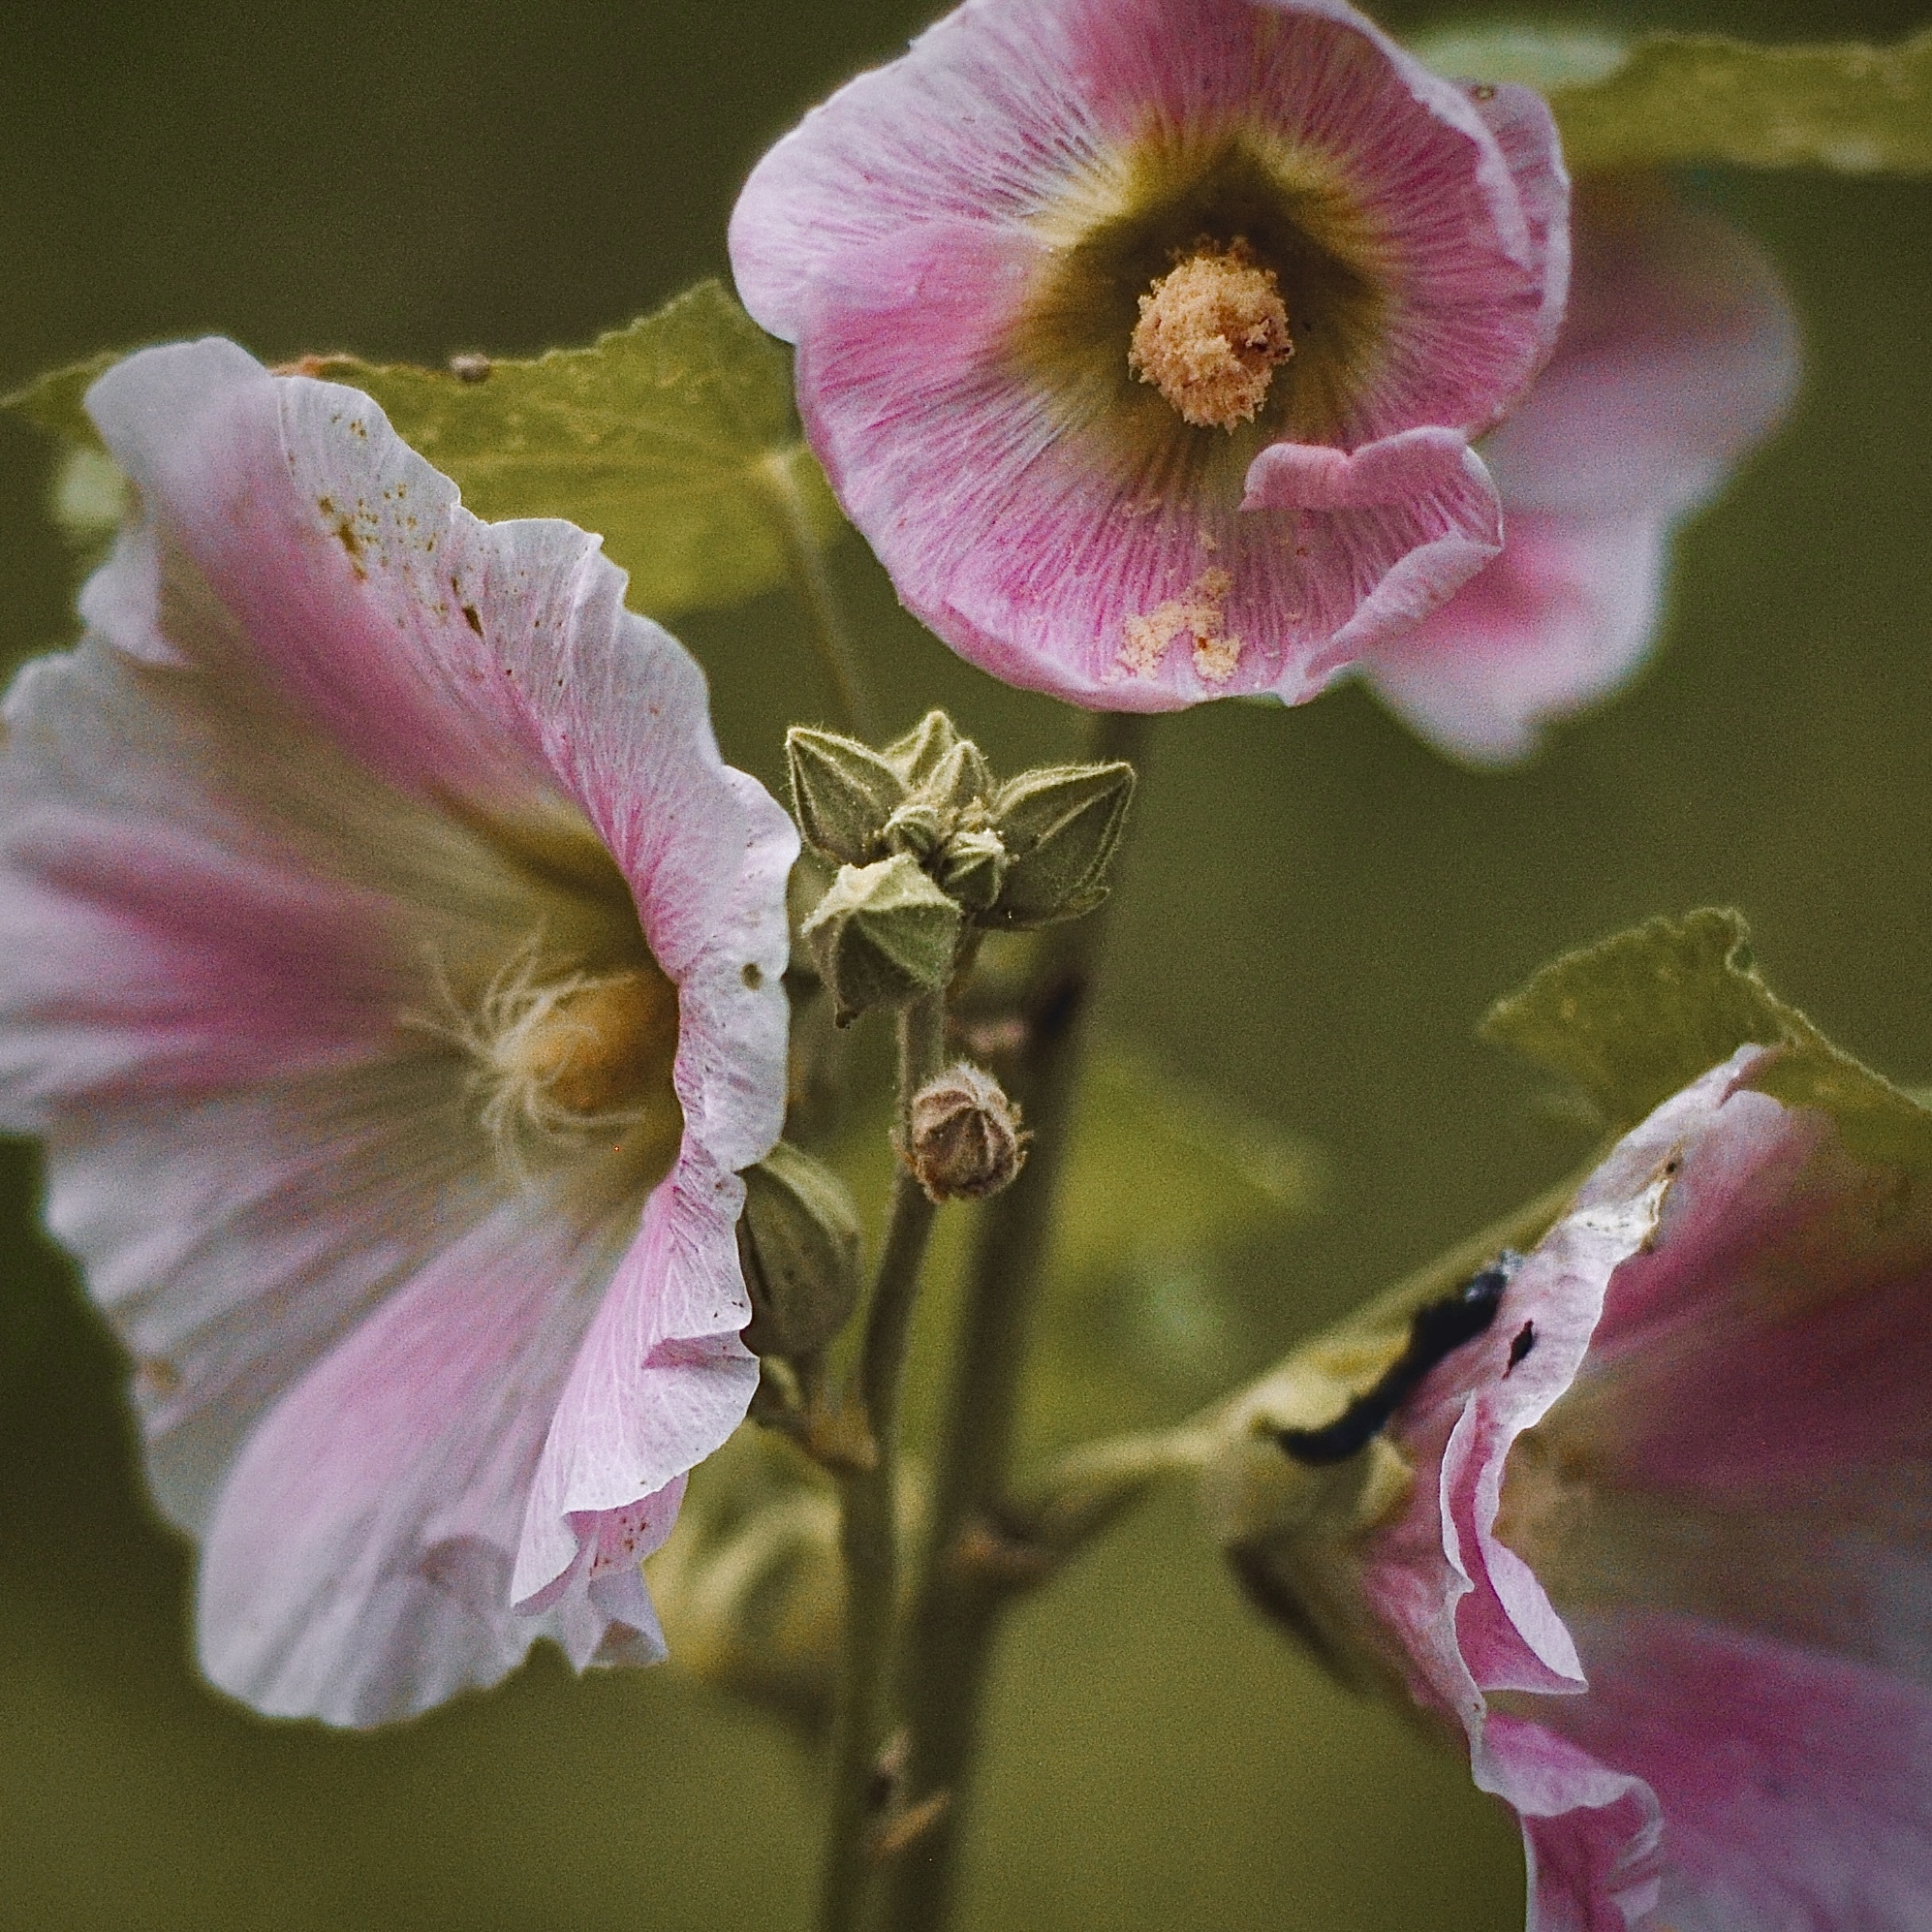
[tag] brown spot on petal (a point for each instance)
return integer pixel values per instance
(155, 1378)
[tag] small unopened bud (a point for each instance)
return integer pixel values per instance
(799, 1243)
(917, 756)
(963, 777)
(973, 868)
(882, 935)
(966, 1136)
(1060, 827)
(916, 828)
(843, 793)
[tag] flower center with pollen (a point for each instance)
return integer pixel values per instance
(594, 1046)
(1210, 336)
(585, 1054)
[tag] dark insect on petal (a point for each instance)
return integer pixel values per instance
(1435, 1331)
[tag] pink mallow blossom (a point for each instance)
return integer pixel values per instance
(391, 968)
(1679, 352)
(1656, 1544)
(1145, 340)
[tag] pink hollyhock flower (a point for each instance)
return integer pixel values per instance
(1679, 352)
(1656, 1538)
(1144, 339)
(392, 969)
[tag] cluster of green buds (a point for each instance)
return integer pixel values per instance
(932, 850)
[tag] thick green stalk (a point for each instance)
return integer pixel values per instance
(869, 1523)
(955, 1612)
(812, 584)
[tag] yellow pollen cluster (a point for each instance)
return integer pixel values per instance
(1210, 336)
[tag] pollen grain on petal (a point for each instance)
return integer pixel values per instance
(1199, 615)
(1212, 334)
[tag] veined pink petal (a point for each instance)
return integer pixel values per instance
(1053, 525)
(356, 1566)
(1792, 1786)
(1680, 1592)
(1525, 130)
(661, 1367)
(1680, 351)
(346, 764)
(1561, 618)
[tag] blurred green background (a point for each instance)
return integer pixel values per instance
(1318, 912)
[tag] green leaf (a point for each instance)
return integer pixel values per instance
(1636, 1017)
(674, 438)
(52, 401)
(1664, 98)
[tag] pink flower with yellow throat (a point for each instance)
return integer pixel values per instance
(1145, 340)
(392, 967)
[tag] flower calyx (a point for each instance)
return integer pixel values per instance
(964, 1140)
(1061, 826)
(1013, 857)
(799, 1244)
(882, 934)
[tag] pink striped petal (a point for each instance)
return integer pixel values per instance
(1680, 352)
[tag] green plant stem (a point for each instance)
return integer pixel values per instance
(812, 584)
(869, 1500)
(955, 1611)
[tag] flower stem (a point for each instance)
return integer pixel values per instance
(955, 1611)
(869, 1499)
(812, 584)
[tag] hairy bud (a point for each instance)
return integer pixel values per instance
(882, 935)
(916, 828)
(966, 1140)
(973, 868)
(799, 1243)
(918, 755)
(842, 792)
(1060, 827)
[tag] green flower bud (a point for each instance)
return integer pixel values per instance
(916, 828)
(799, 1239)
(842, 792)
(883, 935)
(916, 757)
(973, 867)
(965, 1136)
(1060, 827)
(961, 778)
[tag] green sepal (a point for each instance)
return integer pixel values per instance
(1668, 99)
(675, 438)
(53, 401)
(959, 778)
(1061, 826)
(1635, 1018)
(843, 793)
(799, 1243)
(882, 935)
